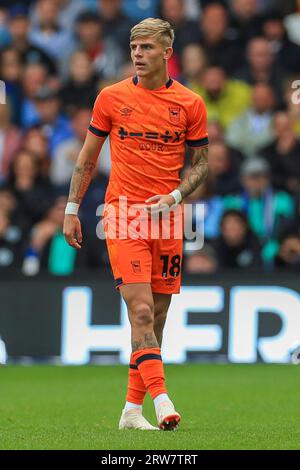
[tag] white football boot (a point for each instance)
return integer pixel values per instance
(133, 419)
(167, 417)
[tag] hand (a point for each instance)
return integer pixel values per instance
(72, 231)
(164, 202)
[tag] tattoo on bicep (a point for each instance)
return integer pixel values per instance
(198, 172)
(80, 181)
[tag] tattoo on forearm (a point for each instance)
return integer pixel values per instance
(198, 172)
(80, 181)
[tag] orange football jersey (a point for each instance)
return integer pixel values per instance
(148, 131)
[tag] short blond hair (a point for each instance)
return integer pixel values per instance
(154, 27)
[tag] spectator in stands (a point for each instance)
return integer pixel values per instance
(224, 171)
(47, 247)
(292, 226)
(246, 20)
(4, 34)
(253, 129)
(105, 54)
(65, 155)
(266, 208)
(34, 78)
(116, 25)
(54, 124)
(193, 65)
(286, 52)
(237, 246)
(220, 49)
(81, 88)
(289, 252)
(137, 10)
(36, 143)
(10, 242)
(10, 141)
(32, 192)
(204, 261)
(292, 23)
(215, 131)
(9, 204)
(213, 207)
(261, 67)
(186, 31)
(19, 28)
(11, 69)
(283, 154)
(225, 99)
(216, 135)
(49, 36)
(68, 10)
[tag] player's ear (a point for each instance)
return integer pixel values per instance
(168, 53)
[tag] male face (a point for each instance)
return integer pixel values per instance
(262, 98)
(214, 80)
(19, 27)
(214, 22)
(233, 230)
(89, 32)
(259, 54)
(110, 8)
(149, 55)
(48, 11)
(244, 9)
(173, 11)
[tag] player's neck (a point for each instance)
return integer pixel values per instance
(154, 82)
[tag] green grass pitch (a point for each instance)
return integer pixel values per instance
(222, 407)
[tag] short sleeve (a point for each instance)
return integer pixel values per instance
(100, 124)
(197, 127)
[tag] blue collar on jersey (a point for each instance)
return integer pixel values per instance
(136, 81)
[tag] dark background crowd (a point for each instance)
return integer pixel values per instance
(242, 56)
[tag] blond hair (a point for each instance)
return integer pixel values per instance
(154, 27)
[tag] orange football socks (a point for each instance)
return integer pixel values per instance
(136, 389)
(151, 369)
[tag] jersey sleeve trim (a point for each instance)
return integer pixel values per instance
(198, 142)
(98, 132)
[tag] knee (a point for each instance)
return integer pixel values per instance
(142, 315)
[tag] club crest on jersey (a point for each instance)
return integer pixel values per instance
(174, 114)
(136, 266)
(126, 111)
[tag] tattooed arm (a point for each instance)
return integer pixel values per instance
(196, 176)
(198, 172)
(80, 181)
(84, 167)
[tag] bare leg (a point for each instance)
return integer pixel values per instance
(161, 306)
(140, 304)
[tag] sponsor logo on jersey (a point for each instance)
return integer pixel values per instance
(126, 112)
(165, 137)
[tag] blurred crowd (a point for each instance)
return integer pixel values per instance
(242, 56)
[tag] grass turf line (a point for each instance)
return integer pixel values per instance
(222, 407)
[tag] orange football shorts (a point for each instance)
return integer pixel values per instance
(141, 254)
